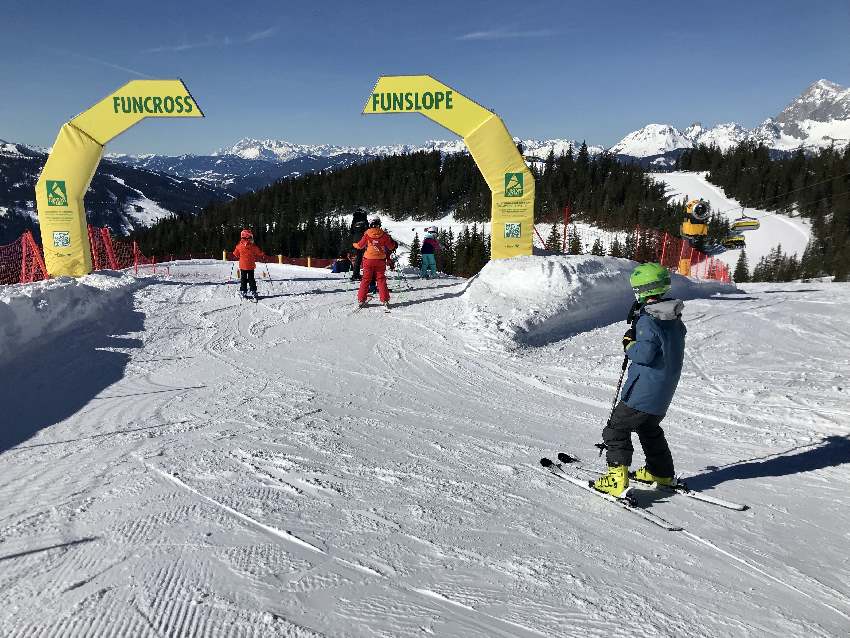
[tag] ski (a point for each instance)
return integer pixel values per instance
(679, 488)
(626, 501)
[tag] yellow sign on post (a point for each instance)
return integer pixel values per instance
(74, 158)
(488, 140)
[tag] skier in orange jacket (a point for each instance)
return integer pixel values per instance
(378, 245)
(247, 252)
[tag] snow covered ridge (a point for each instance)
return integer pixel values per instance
(35, 313)
(282, 151)
(538, 300)
(816, 119)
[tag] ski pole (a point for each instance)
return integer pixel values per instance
(231, 270)
(631, 319)
(268, 276)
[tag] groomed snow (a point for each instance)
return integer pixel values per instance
(190, 464)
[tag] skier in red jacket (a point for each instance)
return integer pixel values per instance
(247, 252)
(378, 245)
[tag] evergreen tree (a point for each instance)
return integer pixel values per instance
(598, 249)
(616, 249)
(742, 269)
(553, 241)
(630, 246)
(574, 245)
(415, 257)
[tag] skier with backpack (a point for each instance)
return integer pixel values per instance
(376, 245)
(430, 248)
(248, 253)
(655, 348)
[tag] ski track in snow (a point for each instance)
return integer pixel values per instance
(288, 468)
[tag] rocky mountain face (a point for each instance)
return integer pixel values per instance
(818, 118)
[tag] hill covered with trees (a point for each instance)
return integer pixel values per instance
(814, 186)
(301, 216)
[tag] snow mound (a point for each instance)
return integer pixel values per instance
(33, 313)
(538, 300)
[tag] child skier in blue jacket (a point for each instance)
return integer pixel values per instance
(655, 347)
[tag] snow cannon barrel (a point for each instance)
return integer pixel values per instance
(698, 210)
(695, 225)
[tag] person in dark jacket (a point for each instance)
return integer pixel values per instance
(341, 264)
(359, 225)
(655, 347)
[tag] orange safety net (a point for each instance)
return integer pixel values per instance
(22, 262)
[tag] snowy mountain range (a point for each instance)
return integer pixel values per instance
(818, 118)
(155, 185)
(252, 163)
(122, 197)
(282, 151)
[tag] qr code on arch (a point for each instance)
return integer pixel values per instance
(513, 231)
(61, 239)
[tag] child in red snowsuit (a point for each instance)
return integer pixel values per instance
(247, 252)
(378, 246)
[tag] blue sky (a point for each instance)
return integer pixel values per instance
(301, 71)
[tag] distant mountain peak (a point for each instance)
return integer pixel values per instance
(817, 118)
(652, 139)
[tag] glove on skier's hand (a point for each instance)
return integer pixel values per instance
(629, 338)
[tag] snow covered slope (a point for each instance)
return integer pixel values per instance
(792, 232)
(204, 466)
(537, 300)
(42, 311)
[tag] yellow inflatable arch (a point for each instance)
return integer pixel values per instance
(74, 158)
(488, 140)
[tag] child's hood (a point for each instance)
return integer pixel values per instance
(666, 310)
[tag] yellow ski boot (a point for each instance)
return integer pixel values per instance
(642, 475)
(615, 482)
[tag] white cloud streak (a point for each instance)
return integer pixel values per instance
(265, 34)
(100, 62)
(503, 34)
(216, 42)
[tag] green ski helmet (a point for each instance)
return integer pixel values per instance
(650, 280)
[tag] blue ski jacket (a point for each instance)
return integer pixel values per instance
(656, 358)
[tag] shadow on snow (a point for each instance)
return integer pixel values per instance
(829, 452)
(52, 382)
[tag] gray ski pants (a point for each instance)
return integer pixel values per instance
(617, 436)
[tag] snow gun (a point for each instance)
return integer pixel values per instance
(695, 225)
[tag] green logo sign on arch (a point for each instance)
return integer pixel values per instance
(57, 194)
(513, 184)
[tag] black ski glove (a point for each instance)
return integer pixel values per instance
(629, 338)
